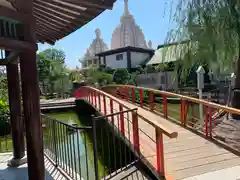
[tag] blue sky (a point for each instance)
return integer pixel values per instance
(151, 15)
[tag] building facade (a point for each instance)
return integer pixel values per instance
(128, 46)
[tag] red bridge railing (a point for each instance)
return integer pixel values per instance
(199, 115)
(127, 121)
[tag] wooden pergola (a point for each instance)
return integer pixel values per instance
(23, 23)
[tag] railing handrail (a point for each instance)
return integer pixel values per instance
(107, 95)
(171, 134)
(116, 113)
(160, 127)
(69, 125)
(195, 100)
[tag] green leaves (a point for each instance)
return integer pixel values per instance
(53, 74)
(121, 76)
(211, 27)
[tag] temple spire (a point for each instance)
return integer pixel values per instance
(98, 33)
(126, 11)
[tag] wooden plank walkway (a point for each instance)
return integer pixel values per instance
(186, 156)
(131, 173)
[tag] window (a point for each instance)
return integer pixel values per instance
(119, 57)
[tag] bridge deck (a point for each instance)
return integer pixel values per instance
(186, 156)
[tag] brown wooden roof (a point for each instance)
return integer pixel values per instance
(56, 19)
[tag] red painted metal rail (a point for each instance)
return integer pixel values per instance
(181, 109)
(108, 104)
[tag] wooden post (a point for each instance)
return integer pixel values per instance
(99, 101)
(95, 98)
(104, 105)
(210, 121)
(165, 110)
(206, 120)
(141, 97)
(183, 112)
(160, 152)
(127, 93)
(120, 93)
(121, 119)
(151, 100)
(135, 131)
(133, 96)
(17, 124)
(31, 105)
(111, 109)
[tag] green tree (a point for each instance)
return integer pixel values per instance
(75, 75)
(4, 106)
(121, 76)
(213, 31)
(98, 75)
(52, 70)
(44, 69)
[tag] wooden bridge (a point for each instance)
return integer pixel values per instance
(167, 132)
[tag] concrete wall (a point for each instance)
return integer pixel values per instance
(138, 58)
(112, 62)
(159, 80)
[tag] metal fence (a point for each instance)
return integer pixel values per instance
(120, 153)
(131, 125)
(62, 144)
(86, 152)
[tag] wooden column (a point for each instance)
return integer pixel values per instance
(15, 115)
(31, 105)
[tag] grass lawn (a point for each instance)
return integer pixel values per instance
(174, 111)
(6, 144)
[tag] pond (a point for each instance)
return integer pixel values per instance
(82, 144)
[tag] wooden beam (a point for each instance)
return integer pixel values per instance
(54, 17)
(44, 39)
(66, 8)
(15, 45)
(55, 9)
(49, 29)
(62, 16)
(10, 59)
(47, 23)
(46, 34)
(15, 15)
(60, 7)
(98, 4)
(40, 16)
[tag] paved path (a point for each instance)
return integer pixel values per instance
(21, 172)
(44, 101)
(189, 155)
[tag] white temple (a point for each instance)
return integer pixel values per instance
(128, 33)
(128, 46)
(97, 46)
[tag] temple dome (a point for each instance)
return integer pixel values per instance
(97, 46)
(128, 33)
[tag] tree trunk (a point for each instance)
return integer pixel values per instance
(236, 92)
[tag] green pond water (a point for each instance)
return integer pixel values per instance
(84, 165)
